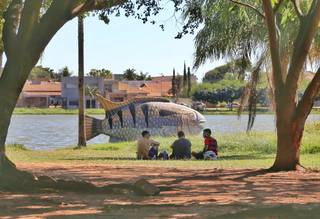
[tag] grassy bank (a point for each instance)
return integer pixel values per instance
(53, 111)
(255, 150)
(60, 111)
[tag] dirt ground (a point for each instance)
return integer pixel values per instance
(185, 193)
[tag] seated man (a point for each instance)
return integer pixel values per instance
(210, 150)
(146, 147)
(181, 148)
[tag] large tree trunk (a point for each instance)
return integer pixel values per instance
(288, 148)
(10, 89)
(1, 61)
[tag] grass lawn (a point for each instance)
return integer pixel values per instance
(239, 150)
(53, 111)
(60, 111)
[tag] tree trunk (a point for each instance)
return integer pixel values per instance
(289, 135)
(9, 93)
(1, 62)
(82, 135)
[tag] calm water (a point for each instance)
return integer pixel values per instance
(42, 132)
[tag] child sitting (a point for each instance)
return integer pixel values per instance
(210, 150)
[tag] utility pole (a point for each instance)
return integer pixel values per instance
(82, 133)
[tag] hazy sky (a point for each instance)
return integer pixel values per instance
(124, 43)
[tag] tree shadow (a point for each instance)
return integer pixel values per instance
(190, 192)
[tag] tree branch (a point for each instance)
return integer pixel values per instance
(55, 17)
(10, 27)
(249, 6)
(307, 31)
(92, 5)
(274, 47)
(296, 5)
(29, 19)
(305, 104)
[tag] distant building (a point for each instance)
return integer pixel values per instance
(114, 90)
(70, 92)
(40, 94)
(125, 90)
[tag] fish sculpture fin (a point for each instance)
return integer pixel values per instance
(145, 111)
(108, 105)
(133, 114)
(93, 127)
(120, 117)
(112, 107)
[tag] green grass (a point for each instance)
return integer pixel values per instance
(60, 111)
(53, 111)
(239, 150)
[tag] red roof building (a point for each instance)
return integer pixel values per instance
(40, 94)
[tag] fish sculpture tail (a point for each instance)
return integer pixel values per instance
(93, 127)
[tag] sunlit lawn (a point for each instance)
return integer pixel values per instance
(255, 150)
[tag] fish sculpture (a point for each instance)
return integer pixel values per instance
(124, 121)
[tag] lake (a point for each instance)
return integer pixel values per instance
(43, 132)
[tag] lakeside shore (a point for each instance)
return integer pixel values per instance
(61, 111)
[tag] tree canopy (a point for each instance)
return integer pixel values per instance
(104, 73)
(131, 74)
(233, 67)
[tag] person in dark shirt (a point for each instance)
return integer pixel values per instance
(181, 148)
(210, 150)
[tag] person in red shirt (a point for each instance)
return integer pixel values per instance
(210, 150)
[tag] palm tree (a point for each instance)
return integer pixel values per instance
(130, 74)
(81, 134)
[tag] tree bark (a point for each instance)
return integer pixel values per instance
(289, 136)
(82, 134)
(1, 62)
(9, 94)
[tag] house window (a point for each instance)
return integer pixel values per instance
(73, 103)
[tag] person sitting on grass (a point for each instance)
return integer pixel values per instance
(210, 150)
(146, 147)
(181, 148)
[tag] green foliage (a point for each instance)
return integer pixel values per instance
(237, 67)
(104, 73)
(143, 76)
(64, 72)
(3, 6)
(41, 73)
(229, 81)
(131, 75)
(229, 89)
(1, 29)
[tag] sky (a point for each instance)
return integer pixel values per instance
(124, 43)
